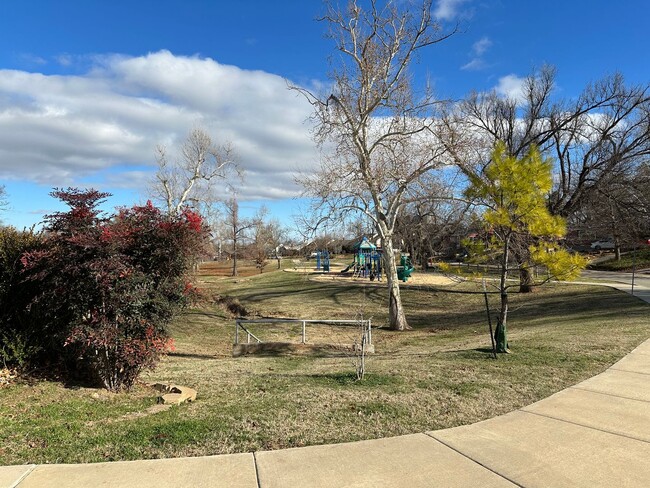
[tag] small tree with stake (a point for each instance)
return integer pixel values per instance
(514, 191)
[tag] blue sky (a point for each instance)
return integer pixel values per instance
(88, 88)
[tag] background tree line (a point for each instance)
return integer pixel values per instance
(400, 156)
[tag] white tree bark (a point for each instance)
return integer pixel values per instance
(189, 179)
(372, 127)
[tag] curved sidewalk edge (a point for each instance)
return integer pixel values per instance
(596, 433)
(641, 292)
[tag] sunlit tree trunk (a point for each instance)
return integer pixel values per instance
(526, 279)
(396, 317)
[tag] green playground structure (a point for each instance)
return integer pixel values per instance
(368, 263)
(405, 268)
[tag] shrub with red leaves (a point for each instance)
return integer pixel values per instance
(110, 285)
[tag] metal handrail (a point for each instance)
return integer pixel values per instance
(248, 332)
(304, 322)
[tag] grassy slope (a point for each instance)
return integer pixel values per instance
(628, 261)
(438, 375)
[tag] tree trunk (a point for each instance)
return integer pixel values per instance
(500, 334)
(526, 279)
(396, 317)
(234, 259)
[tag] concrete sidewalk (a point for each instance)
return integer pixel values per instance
(620, 280)
(640, 291)
(596, 433)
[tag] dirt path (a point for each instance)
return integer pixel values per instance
(417, 279)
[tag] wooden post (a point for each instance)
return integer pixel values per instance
(304, 332)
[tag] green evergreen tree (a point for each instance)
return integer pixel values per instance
(514, 192)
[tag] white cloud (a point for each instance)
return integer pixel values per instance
(511, 86)
(32, 59)
(59, 130)
(448, 9)
(475, 64)
(64, 59)
(481, 46)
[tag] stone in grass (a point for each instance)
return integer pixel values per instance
(174, 394)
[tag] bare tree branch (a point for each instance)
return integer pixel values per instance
(190, 179)
(373, 127)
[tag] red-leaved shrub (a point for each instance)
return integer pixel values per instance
(108, 286)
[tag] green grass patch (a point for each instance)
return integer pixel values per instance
(638, 259)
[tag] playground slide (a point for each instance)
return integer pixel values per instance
(351, 265)
(405, 269)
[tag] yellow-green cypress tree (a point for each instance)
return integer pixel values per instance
(514, 192)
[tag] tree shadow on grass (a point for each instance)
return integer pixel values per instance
(309, 290)
(187, 355)
(71, 376)
(485, 350)
(472, 353)
(350, 378)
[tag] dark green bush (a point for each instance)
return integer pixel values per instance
(20, 336)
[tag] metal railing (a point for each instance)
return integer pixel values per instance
(239, 324)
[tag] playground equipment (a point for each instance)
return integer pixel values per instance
(367, 261)
(405, 268)
(323, 260)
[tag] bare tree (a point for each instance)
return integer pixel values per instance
(427, 227)
(606, 128)
(274, 234)
(189, 179)
(374, 121)
(602, 134)
(265, 239)
(236, 228)
(619, 209)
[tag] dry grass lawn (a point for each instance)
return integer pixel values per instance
(440, 374)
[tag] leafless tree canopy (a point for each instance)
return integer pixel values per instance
(4, 202)
(267, 236)
(235, 229)
(190, 178)
(372, 127)
(619, 209)
(597, 140)
(599, 136)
